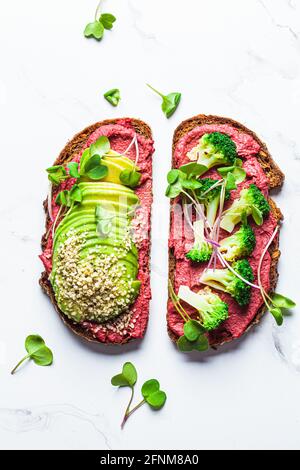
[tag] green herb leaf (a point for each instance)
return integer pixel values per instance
(113, 96)
(169, 102)
(193, 169)
(130, 178)
(57, 174)
(63, 198)
(192, 330)
(73, 169)
(101, 147)
(93, 162)
(37, 351)
(149, 387)
(172, 176)
(184, 344)
(277, 314)
(152, 394)
(127, 378)
(98, 172)
(107, 19)
(200, 344)
(173, 190)
(282, 302)
(75, 194)
(191, 183)
(157, 399)
(83, 160)
(93, 168)
(95, 30)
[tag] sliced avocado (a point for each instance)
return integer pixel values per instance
(83, 260)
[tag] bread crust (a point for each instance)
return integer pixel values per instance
(69, 151)
(275, 178)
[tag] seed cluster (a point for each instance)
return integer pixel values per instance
(94, 288)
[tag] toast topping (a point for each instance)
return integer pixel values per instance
(232, 197)
(96, 287)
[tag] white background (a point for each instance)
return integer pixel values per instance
(233, 58)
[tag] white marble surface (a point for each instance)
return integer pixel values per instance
(235, 58)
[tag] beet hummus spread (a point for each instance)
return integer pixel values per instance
(131, 324)
(187, 273)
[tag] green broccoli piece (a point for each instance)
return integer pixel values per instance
(210, 198)
(251, 202)
(214, 149)
(239, 245)
(212, 310)
(226, 281)
(201, 250)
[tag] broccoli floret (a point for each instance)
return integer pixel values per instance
(214, 149)
(210, 198)
(201, 250)
(226, 281)
(251, 202)
(239, 245)
(212, 310)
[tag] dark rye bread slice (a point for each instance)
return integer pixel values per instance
(275, 179)
(69, 151)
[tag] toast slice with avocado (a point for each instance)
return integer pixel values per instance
(96, 247)
(224, 233)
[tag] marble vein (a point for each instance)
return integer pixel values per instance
(22, 420)
(279, 25)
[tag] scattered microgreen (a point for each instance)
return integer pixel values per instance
(107, 19)
(279, 304)
(103, 21)
(57, 174)
(37, 351)
(151, 392)
(127, 378)
(169, 102)
(113, 96)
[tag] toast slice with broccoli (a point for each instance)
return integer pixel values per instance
(224, 233)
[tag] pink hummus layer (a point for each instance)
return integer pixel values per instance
(181, 238)
(120, 136)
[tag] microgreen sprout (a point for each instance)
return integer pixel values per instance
(193, 338)
(101, 22)
(277, 304)
(151, 392)
(132, 177)
(37, 351)
(169, 102)
(113, 96)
